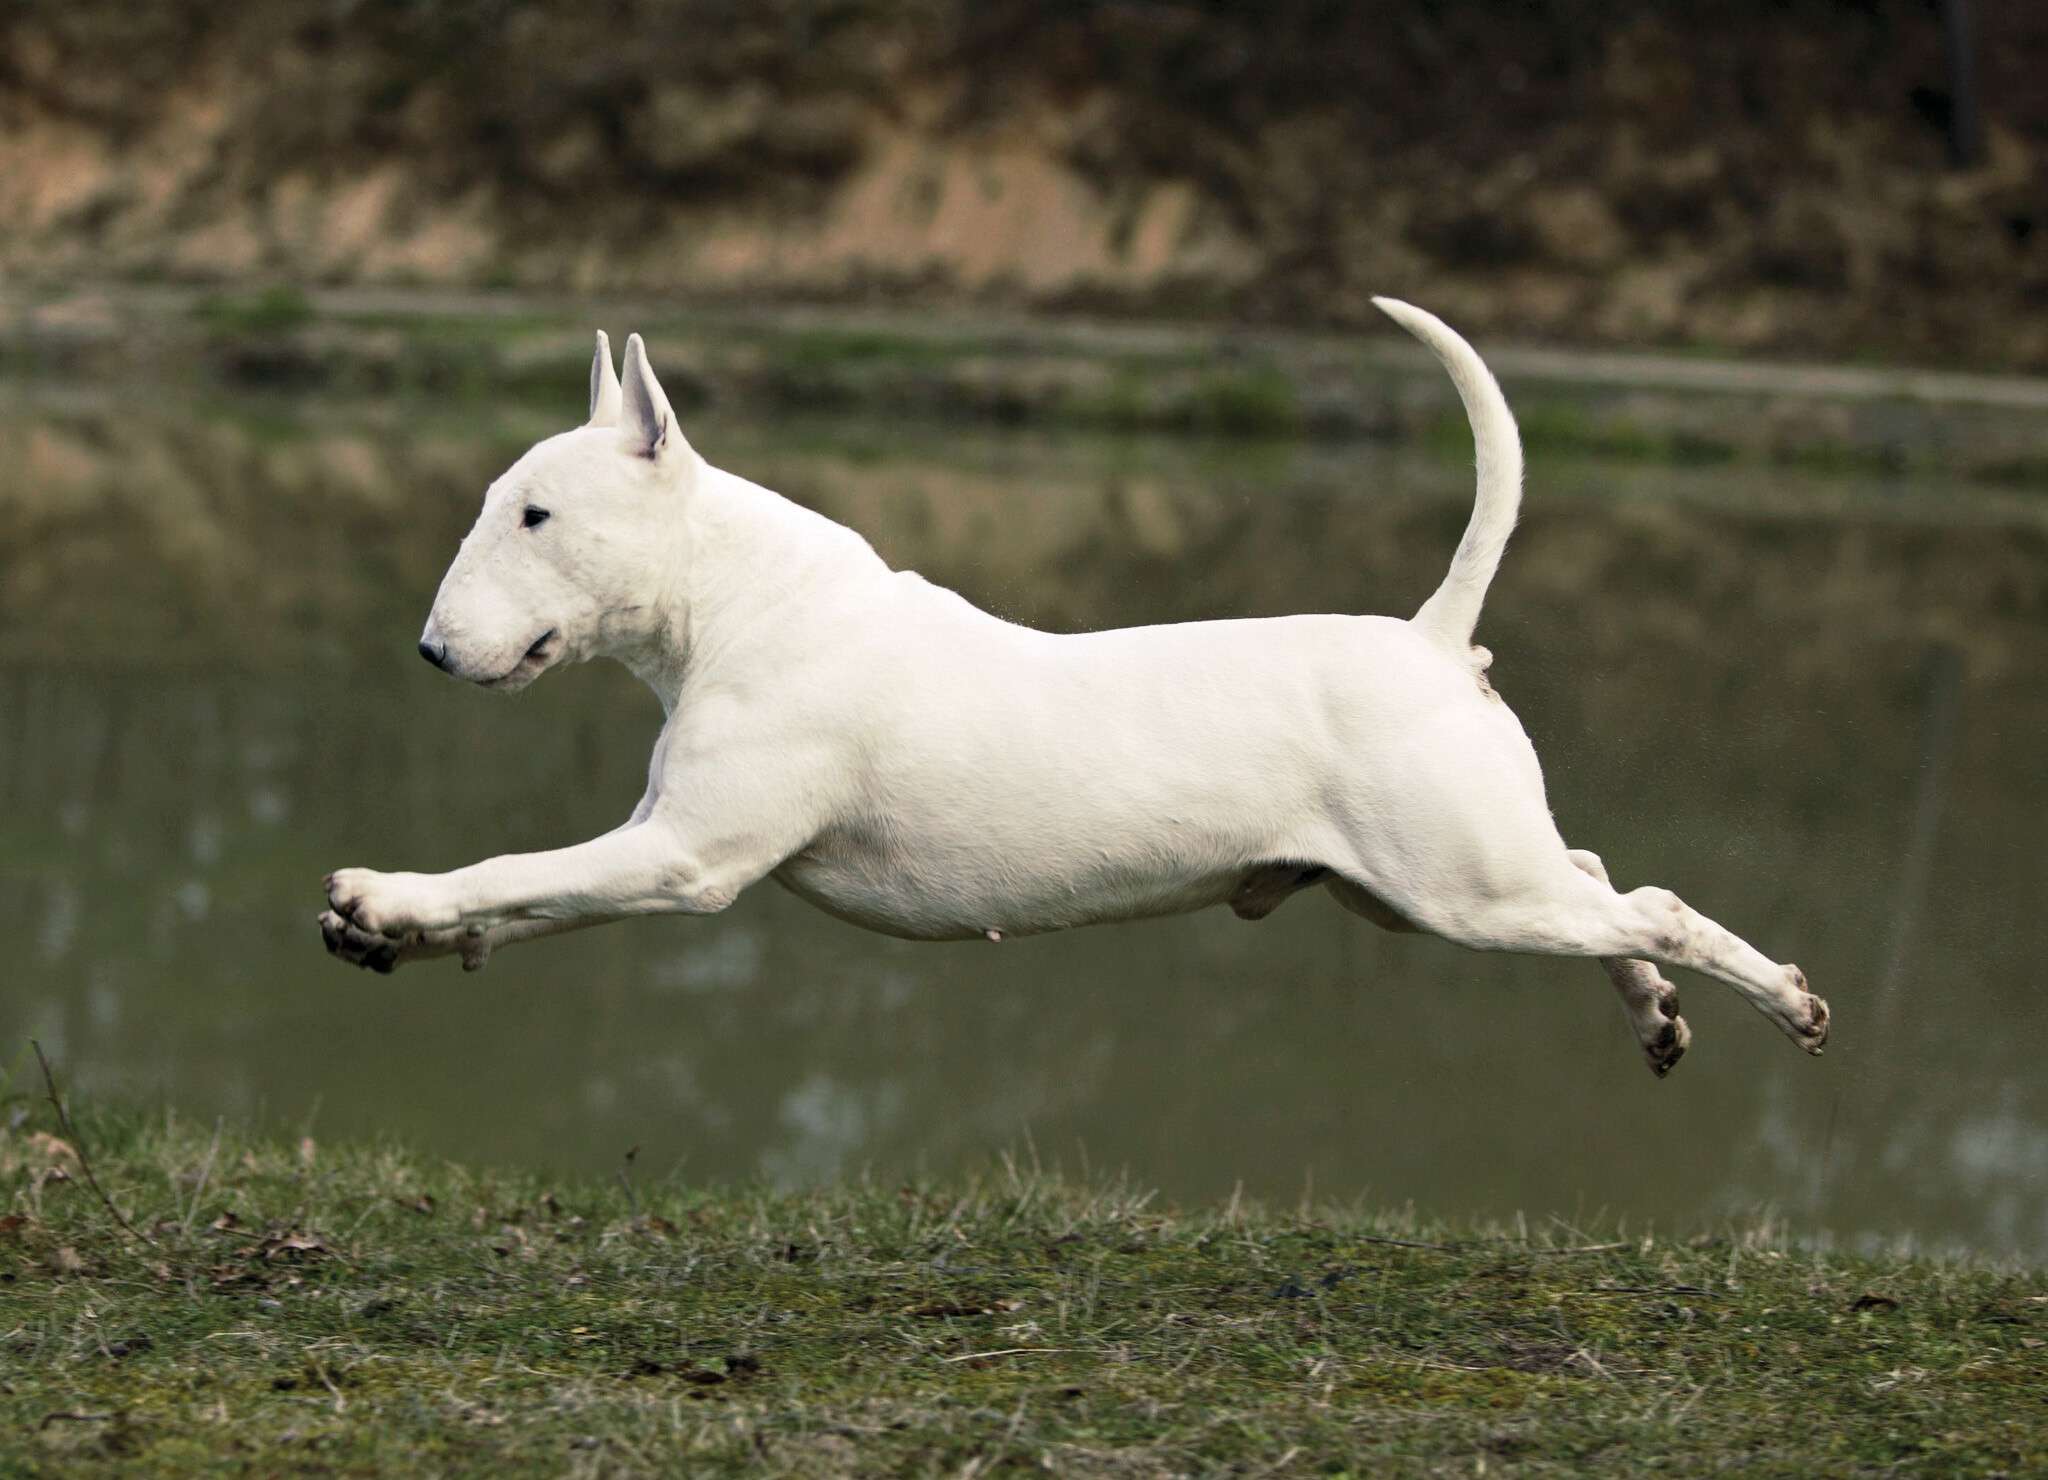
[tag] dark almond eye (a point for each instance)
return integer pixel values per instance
(534, 517)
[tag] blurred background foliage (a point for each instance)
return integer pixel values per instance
(1745, 175)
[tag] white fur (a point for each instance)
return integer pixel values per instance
(908, 762)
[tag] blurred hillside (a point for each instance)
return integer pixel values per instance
(1746, 175)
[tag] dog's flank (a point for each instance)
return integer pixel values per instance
(910, 763)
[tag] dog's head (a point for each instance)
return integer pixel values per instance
(571, 548)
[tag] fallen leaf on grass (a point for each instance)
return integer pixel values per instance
(1872, 1300)
(944, 1309)
(293, 1246)
(12, 1222)
(423, 1204)
(225, 1223)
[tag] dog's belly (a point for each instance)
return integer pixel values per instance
(905, 896)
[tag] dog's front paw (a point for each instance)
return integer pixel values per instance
(391, 905)
(347, 941)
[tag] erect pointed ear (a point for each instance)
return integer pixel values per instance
(604, 386)
(646, 424)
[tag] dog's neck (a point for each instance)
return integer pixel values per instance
(740, 557)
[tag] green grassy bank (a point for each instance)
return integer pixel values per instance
(349, 1310)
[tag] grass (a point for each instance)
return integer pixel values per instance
(274, 310)
(1551, 427)
(293, 1308)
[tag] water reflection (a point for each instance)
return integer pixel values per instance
(1814, 710)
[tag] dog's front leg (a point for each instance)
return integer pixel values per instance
(639, 870)
(374, 951)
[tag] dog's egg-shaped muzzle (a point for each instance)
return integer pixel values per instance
(478, 628)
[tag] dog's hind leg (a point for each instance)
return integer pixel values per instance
(1568, 911)
(1650, 1001)
(1663, 927)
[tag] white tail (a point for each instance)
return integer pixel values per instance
(1453, 611)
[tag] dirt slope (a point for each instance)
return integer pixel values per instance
(1750, 175)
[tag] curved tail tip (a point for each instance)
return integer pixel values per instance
(1407, 315)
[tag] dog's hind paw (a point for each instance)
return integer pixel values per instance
(1669, 1046)
(1810, 1031)
(1803, 1016)
(1652, 1004)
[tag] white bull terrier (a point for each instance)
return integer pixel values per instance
(912, 764)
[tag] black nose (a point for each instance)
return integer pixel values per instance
(434, 652)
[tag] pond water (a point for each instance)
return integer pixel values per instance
(1815, 708)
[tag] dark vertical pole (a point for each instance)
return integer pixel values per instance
(1965, 123)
